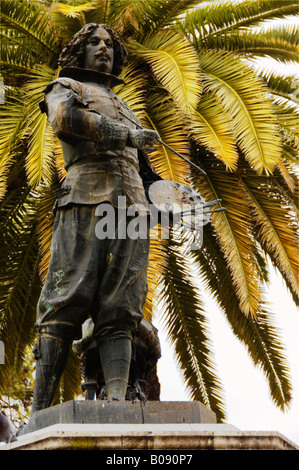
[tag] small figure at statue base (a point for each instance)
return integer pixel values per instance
(143, 382)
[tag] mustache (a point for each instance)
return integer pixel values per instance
(102, 54)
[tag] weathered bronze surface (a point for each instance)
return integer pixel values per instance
(143, 381)
(104, 158)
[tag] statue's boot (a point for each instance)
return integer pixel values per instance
(116, 360)
(51, 354)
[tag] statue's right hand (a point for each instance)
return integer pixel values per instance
(141, 138)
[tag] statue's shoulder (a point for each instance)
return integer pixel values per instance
(65, 82)
(61, 88)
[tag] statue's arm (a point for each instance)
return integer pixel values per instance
(71, 117)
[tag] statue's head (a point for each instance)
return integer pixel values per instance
(97, 47)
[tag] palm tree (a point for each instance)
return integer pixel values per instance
(191, 76)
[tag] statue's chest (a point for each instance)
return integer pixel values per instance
(102, 99)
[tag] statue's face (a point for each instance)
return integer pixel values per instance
(99, 53)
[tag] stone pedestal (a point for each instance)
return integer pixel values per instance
(181, 438)
(105, 412)
(124, 426)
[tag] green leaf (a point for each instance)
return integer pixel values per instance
(262, 43)
(32, 20)
(211, 126)
(12, 115)
(175, 65)
(221, 18)
(73, 11)
(166, 119)
(276, 227)
(233, 232)
(259, 336)
(278, 84)
(15, 60)
(40, 164)
(244, 98)
(19, 277)
(162, 13)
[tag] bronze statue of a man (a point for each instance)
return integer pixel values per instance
(104, 279)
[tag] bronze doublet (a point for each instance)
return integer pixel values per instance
(94, 136)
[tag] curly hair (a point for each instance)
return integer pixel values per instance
(72, 54)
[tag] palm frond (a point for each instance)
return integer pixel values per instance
(20, 284)
(286, 176)
(32, 20)
(40, 164)
(68, 19)
(233, 232)
(14, 60)
(244, 98)
(260, 43)
(290, 155)
(12, 115)
(126, 17)
(159, 114)
(292, 197)
(259, 336)
(164, 117)
(45, 222)
(174, 64)
(288, 118)
(121, 15)
(162, 13)
(287, 32)
(278, 84)
(65, 26)
(275, 227)
(211, 126)
(134, 90)
(214, 19)
(155, 268)
(74, 11)
(186, 325)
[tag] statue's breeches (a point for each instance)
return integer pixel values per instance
(105, 279)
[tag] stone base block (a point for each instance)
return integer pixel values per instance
(151, 426)
(181, 438)
(103, 411)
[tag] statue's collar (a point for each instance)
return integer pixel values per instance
(84, 75)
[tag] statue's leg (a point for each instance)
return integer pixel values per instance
(66, 297)
(116, 359)
(121, 295)
(51, 356)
